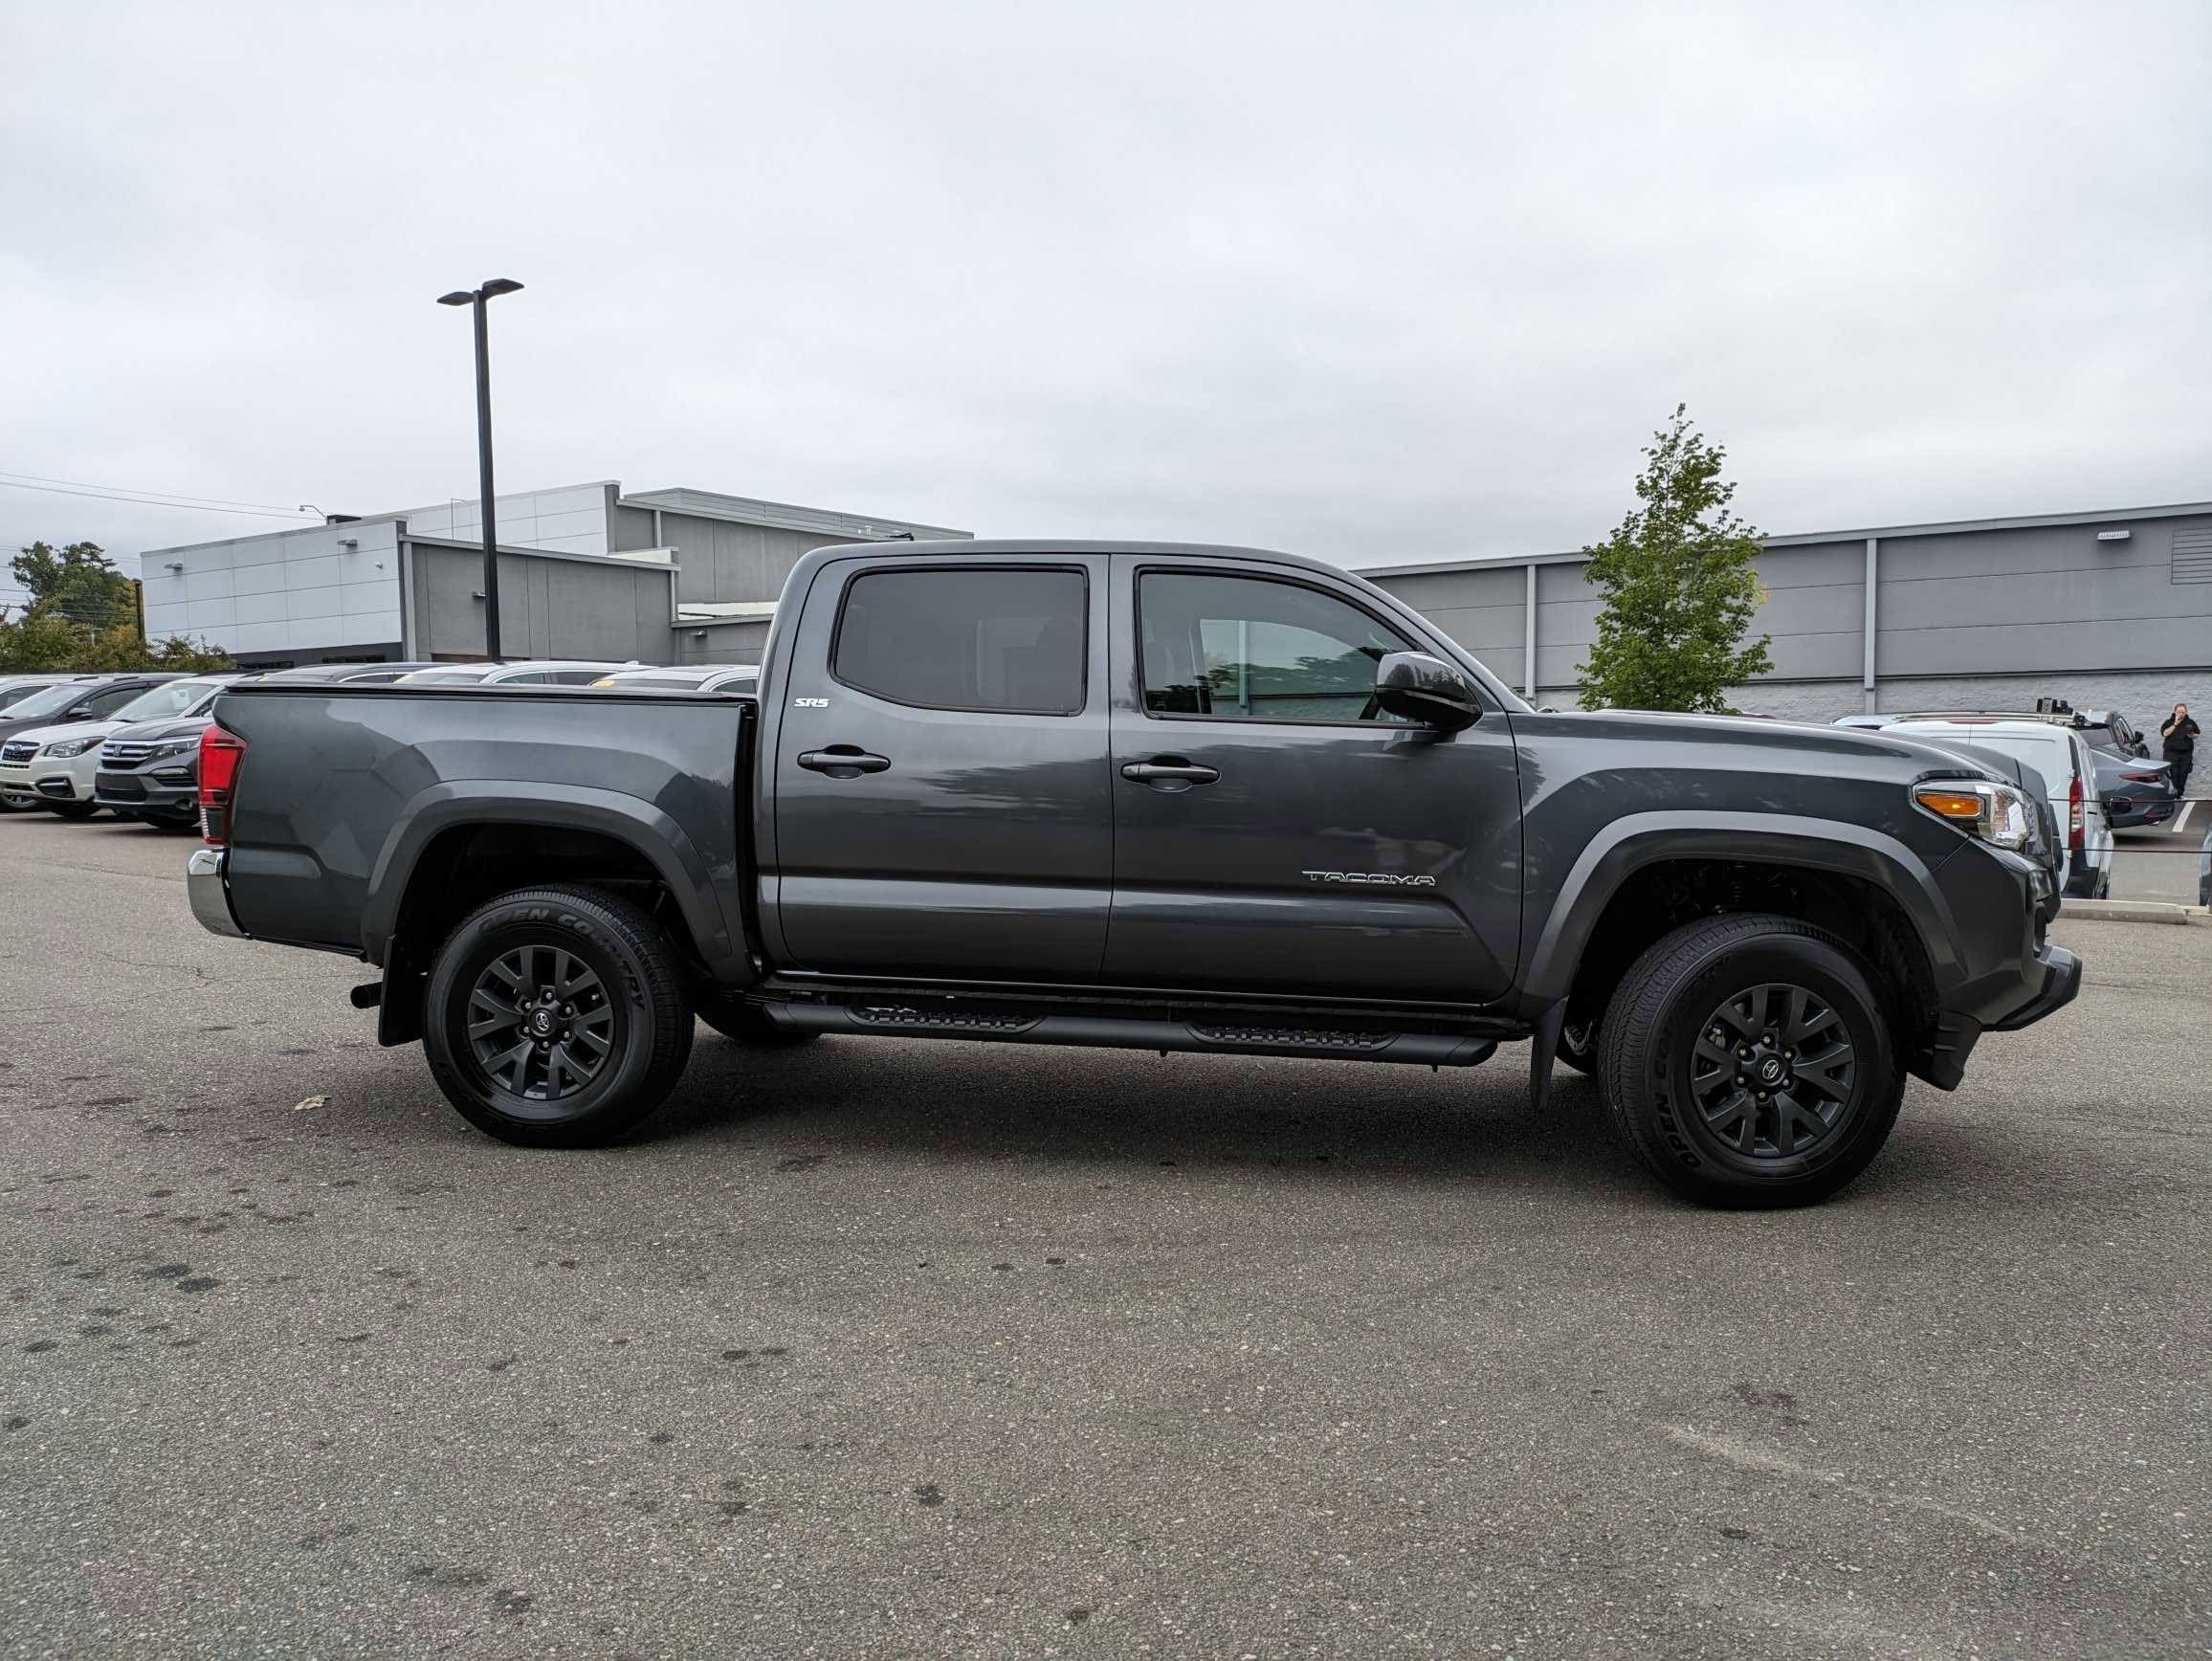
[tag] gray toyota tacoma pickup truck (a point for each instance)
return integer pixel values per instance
(1156, 796)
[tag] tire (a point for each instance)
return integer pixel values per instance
(741, 1023)
(613, 1048)
(1578, 1045)
(1701, 1132)
(74, 810)
(9, 805)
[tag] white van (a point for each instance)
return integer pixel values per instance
(2070, 773)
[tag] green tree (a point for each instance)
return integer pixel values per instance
(1680, 591)
(83, 618)
(78, 582)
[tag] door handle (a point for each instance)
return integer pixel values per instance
(844, 762)
(1170, 770)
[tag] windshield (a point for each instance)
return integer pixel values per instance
(176, 698)
(14, 694)
(47, 700)
(447, 676)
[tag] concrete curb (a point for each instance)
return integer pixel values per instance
(2131, 911)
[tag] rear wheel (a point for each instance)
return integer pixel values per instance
(1748, 1061)
(556, 1017)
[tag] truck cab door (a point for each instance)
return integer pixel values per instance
(1275, 828)
(939, 771)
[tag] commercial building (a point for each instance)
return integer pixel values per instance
(2106, 609)
(663, 576)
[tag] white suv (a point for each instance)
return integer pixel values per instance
(56, 766)
(2069, 775)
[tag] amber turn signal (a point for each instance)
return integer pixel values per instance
(1951, 804)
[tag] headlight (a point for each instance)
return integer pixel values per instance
(1997, 813)
(180, 748)
(68, 747)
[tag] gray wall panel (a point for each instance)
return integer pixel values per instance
(548, 607)
(2030, 550)
(1483, 629)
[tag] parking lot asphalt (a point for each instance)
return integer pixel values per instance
(2161, 864)
(884, 1348)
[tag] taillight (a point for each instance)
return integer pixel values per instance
(220, 753)
(2075, 838)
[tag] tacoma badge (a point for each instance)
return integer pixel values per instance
(1372, 878)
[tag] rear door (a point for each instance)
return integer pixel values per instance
(939, 771)
(1274, 829)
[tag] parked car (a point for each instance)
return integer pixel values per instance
(57, 767)
(14, 688)
(67, 703)
(552, 671)
(2135, 790)
(324, 674)
(684, 678)
(2204, 870)
(148, 767)
(2069, 768)
(2137, 787)
(1315, 825)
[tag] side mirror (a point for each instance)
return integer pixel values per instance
(1420, 688)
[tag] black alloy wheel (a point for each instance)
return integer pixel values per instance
(1752, 1060)
(1772, 1072)
(539, 1023)
(557, 1017)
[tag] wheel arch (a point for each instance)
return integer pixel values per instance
(460, 843)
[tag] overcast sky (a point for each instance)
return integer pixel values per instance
(1378, 282)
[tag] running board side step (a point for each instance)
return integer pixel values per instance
(1132, 1033)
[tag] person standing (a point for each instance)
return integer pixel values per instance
(2181, 735)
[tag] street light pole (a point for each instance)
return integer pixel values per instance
(477, 298)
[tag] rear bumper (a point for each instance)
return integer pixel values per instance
(208, 886)
(2127, 814)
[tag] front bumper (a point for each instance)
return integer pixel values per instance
(15, 784)
(206, 884)
(50, 779)
(129, 791)
(2062, 982)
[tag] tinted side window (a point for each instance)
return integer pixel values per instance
(102, 704)
(1245, 649)
(1005, 640)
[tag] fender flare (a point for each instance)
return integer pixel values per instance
(635, 823)
(1629, 844)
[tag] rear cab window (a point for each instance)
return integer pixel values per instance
(1005, 640)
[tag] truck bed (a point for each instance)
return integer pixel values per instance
(346, 790)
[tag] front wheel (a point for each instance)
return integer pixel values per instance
(1748, 1061)
(556, 1017)
(1578, 1045)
